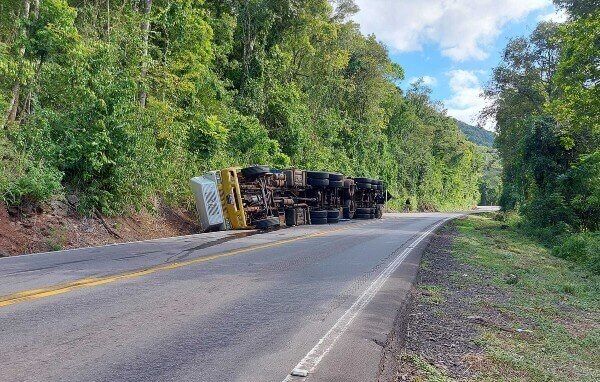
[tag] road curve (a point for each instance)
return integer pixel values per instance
(309, 299)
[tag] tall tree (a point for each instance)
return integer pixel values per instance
(13, 105)
(145, 30)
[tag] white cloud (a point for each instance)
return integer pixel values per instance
(466, 101)
(427, 80)
(463, 29)
(558, 16)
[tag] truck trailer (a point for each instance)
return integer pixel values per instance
(261, 197)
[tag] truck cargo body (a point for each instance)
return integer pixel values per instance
(263, 198)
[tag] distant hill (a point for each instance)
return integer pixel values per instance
(476, 134)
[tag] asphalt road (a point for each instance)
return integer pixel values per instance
(316, 299)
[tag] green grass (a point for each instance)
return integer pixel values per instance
(555, 301)
(424, 371)
(434, 294)
(57, 239)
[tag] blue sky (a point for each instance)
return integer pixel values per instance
(453, 44)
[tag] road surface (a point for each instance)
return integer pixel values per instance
(316, 300)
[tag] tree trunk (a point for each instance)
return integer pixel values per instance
(13, 105)
(145, 32)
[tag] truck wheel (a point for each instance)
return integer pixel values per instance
(363, 211)
(317, 182)
(362, 216)
(333, 214)
(267, 223)
(363, 186)
(318, 215)
(336, 183)
(255, 171)
(335, 176)
(347, 213)
(333, 221)
(290, 217)
(317, 175)
(319, 221)
(362, 180)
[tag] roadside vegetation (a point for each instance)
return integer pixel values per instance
(511, 311)
(120, 102)
(545, 100)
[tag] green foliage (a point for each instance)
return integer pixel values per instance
(583, 248)
(548, 115)
(579, 8)
(226, 83)
(577, 104)
(23, 180)
(491, 181)
(477, 135)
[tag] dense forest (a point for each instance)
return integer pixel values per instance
(120, 102)
(546, 102)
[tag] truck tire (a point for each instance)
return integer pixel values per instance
(335, 176)
(336, 183)
(318, 215)
(255, 171)
(348, 183)
(267, 223)
(333, 214)
(362, 216)
(290, 218)
(363, 211)
(333, 221)
(362, 180)
(372, 216)
(319, 221)
(317, 182)
(347, 213)
(363, 186)
(317, 175)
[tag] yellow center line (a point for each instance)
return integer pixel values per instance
(36, 294)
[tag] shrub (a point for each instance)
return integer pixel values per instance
(582, 248)
(23, 180)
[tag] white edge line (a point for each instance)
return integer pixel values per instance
(326, 343)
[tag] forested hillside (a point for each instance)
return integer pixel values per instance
(476, 134)
(120, 102)
(546, 102)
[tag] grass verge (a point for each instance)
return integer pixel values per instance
(535, 317)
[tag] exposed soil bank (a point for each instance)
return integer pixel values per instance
(57, 226)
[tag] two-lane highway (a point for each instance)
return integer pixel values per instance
(311, 299)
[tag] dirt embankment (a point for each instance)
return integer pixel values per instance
(57, 225)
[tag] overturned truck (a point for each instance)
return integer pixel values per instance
(262, 197)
